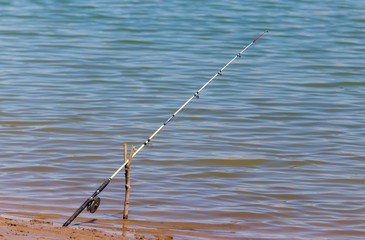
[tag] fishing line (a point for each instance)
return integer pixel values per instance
(93, 202)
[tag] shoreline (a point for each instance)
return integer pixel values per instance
(21, 228)
(12, 228)
(33, 222)
(18, 227)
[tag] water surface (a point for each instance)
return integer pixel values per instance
(274, 148)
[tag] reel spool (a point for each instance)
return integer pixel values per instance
(93, 205)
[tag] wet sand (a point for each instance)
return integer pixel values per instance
(31, 222)
(38, 229)
(21, 229)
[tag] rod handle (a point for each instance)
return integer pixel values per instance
(86, 203)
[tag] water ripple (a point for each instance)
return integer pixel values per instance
(272, 149)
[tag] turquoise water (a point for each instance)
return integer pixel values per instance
(273, 149)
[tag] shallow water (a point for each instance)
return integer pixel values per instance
(274, 148)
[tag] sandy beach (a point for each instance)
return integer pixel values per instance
(22, 228)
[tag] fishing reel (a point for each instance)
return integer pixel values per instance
(94, 204)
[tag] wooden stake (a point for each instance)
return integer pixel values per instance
(125, 160)
(127, 180)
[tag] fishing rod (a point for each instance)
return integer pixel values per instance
(93, 202)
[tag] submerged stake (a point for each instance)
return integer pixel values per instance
(92, 203)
